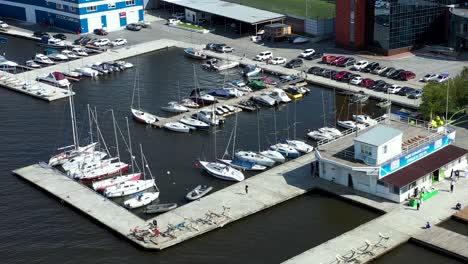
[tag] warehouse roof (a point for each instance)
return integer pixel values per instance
(379, 135)
(230, 10)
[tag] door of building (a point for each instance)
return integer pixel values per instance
(94, 23)
(113, 21)
(132, 17)
(435, 176)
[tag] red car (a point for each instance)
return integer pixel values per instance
(328, 58)
(367, 82)
(338, 60)
(340, 75)
(407, 75)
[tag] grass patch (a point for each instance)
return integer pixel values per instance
(315, 8)
(186, 25)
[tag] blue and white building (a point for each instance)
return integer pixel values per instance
(81, 16)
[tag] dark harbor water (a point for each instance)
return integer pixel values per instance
(455, 225)
(37, 229)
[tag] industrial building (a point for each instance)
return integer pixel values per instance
(391, 27)
(391, 159)
(80, 16)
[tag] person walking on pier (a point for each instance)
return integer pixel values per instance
(418, 204)
(246, 189)
(452, 185)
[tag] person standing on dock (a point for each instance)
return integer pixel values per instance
(418, 204)
(452, 185)
(246, 189)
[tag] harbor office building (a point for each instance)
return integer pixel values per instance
(391, 159)
(80, 16)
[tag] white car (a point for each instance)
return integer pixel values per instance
(356, 80)
(3, 24)
(119, 42)
(173, 21)
(265, 55)
(278, 60)
(393, 89)
(442, 78)
(224, 49)
(307, 52)
(429, 77)
(360, 65)
(102, 42)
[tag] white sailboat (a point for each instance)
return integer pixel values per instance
(299, 145)
(140, 115)
(350, 124)
(174, 107)
(177, 127)
(331, 130)
(254, 158)
(141, 200)
(318, 135)
(192, 122)
(364, 119)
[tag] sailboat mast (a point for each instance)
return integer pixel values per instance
(115, 134)
(235, 134)
(73, 118)
(138, 90)
(274, 117)
(130, 146)
(258, 129)
(90, 124)
(134, 87)
(142, 162)
(294, 124)
(323, 110)
(96, 120)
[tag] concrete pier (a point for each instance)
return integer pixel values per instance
(444, 240)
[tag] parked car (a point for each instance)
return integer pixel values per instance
(379, 84)
(173, 21)
(119, 42)
(316, 55)
(405, 91)
(429, 77)
(356, 80)
(339, 76)
(312, 69)
(101, 42)
(367, 82)
(337, 60)
(407, 75)
(379, 69)
(60, 36)
(396, 74)
(211, 46)
(346, 62)
(294, 63)
(133, 27)
(40, 34)
(80, 40)
(306, 53)
(325, 73)
(415, 94)
(100, 32)
(388, 72)
(3, 25)
(265, 55)
(278, 60)
(443, 77)
(328, 59)
(370, 67)
(393, 89)
(360, 65)
(179, 15)
(223, 48)
(348, 77)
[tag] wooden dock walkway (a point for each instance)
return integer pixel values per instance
(462, 215)
(444, 240)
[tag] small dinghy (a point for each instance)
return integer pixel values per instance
(177, 127)
(160, 208)
(192, 122)
(198, 192)
(141, 200)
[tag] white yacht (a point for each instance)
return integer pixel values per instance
(265, 100)
(331, 130)
(222, 171)
(55, 78)
(79, 52)
(285, 150)
(70, 54)
(57, 56)
(300, 146)
(144, 117)
(364, 119)
(6, 64)
(177, 127)
(280, 96)
(32, 64)
(192, 122)
(85, 71)
(187, 102)
(274, 155)
(208, 116)
(254, 158)
(42, 59)
(129, 187)
(318, 135)
(350, 124)
(141, 200)
(174, 107)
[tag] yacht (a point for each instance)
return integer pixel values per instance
(243, 165)
(42, 59)
(57, 56)
(32, 64)
(318, 135)
(202, 98)
(85, 71)
(189, 103)
(280, 96)
(274, 155)
(79, 52)
(55, 78)
(222, 171)
(208, 116)
(128, 188)
(70, 54)
(144, 117)
(219, 65)
(177, 127)
(6, 64)
(195, 54)
(331, 130)
(251, 71)
(350, 124)
(174, 107)
(300, 146)
(285, 150)
(141, 200)
(265, 100)
(364, 119)
(255, 158)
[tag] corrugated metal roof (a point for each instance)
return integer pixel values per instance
(379, 135)
(424, 166)
(230, 10)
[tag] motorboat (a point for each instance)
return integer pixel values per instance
(364, 119)
(222, 171)
(219, 111)
(300, 146)
(238, 83)
(230, 108)
(222, 110)
(174, 107)
(42, 59)
(104, 184)
(243, 165)
(208, 116)
(350, 124)
(105, 171)
(331, 130)
(198, 192)
(73, 75)
(79, 52)
(219, 65)
(384, 104)
(57, 56)
(55, 78)
(257, 84)
(189, 103)
(285, 150)
(177, 127)
(101, 68)
(32, 64)
(192, 122)
(128, 188)
(124, 64)
(265, 99)
(359, 98)
(51, 42)
(269, 81)
(201, 97)
(220, 92)
(160, 208)
(293, 93)
(248, 105)
(254, 158)
(318, 135)
(140, 200)
(70, 54)
(274, 155)
(233, 91)
(88, 72)
(251, 70)
(7, 64)
(280, 96)
(195, 54)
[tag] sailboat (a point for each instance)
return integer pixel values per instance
(140, 115)
(283, 148)
(299, 145)
(269, 153)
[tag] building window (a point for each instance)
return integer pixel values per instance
(72, 9)
(380, 183)
(130, 2)
(59, 6)
(396, 190)
(366, 150)
(385, 149)
(91, 8)
(111, 5)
